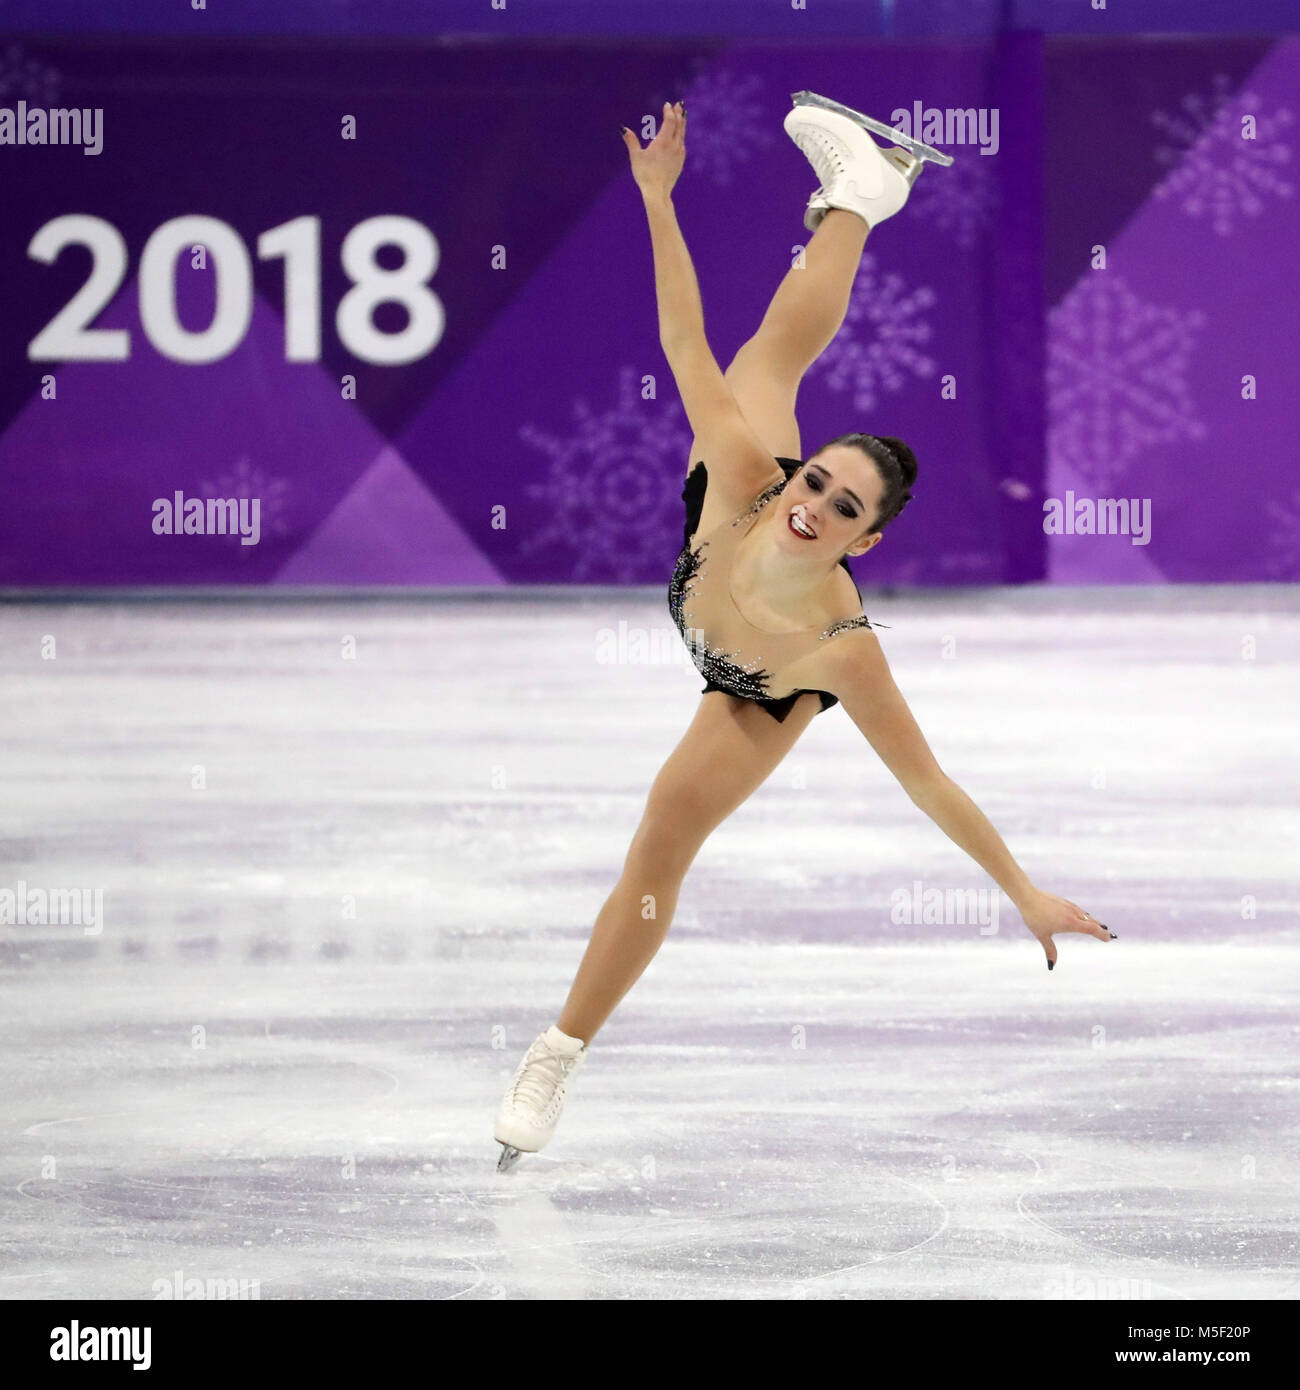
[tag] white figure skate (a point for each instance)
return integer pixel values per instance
(855, 173)
(531, 1108)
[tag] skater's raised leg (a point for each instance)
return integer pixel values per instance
(804, 316)
(812, 299)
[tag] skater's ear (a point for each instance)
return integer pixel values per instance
(865, 542)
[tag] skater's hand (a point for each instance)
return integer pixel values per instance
(656, 168)
(1046, 914)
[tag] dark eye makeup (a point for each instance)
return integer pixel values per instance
(815, 482)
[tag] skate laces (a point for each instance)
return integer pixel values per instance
(540, 1079)
(822, 152)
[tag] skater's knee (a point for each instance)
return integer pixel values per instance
(683, 812)
(662, 850)
(773, 361)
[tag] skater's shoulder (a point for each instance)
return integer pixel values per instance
(850, 659)
(843, 657)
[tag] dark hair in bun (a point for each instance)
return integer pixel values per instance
(897, 465)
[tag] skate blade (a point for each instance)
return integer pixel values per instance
(509, 1157)
(914, 147)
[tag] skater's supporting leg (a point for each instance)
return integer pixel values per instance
(726, 754)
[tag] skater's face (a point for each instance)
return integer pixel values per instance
(830, 502)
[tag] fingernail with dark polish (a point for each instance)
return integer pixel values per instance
(1051, 965)
(1114, 936)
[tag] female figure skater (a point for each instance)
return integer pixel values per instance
(761, 591)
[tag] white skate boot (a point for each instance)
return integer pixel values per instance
(531, 1108)
(855, 173)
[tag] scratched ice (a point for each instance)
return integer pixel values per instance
(341, 896)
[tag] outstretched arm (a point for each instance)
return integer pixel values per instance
(860, 677)
(738, 462)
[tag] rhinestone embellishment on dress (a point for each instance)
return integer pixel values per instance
(729, 669)
(746, 679)
(844, 625)
(760, 501)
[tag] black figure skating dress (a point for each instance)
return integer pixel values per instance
(729, 651)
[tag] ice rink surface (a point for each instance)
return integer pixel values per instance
(349, 853)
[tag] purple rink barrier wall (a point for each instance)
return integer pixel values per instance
(1089, 327)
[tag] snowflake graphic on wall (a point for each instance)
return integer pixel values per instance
(1284, 539)
(1116, 377)
(726, 121)
(1216, 171)
(880, 341)
(247, 481)
(22, 76)
(610, 496)
(959, 199)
